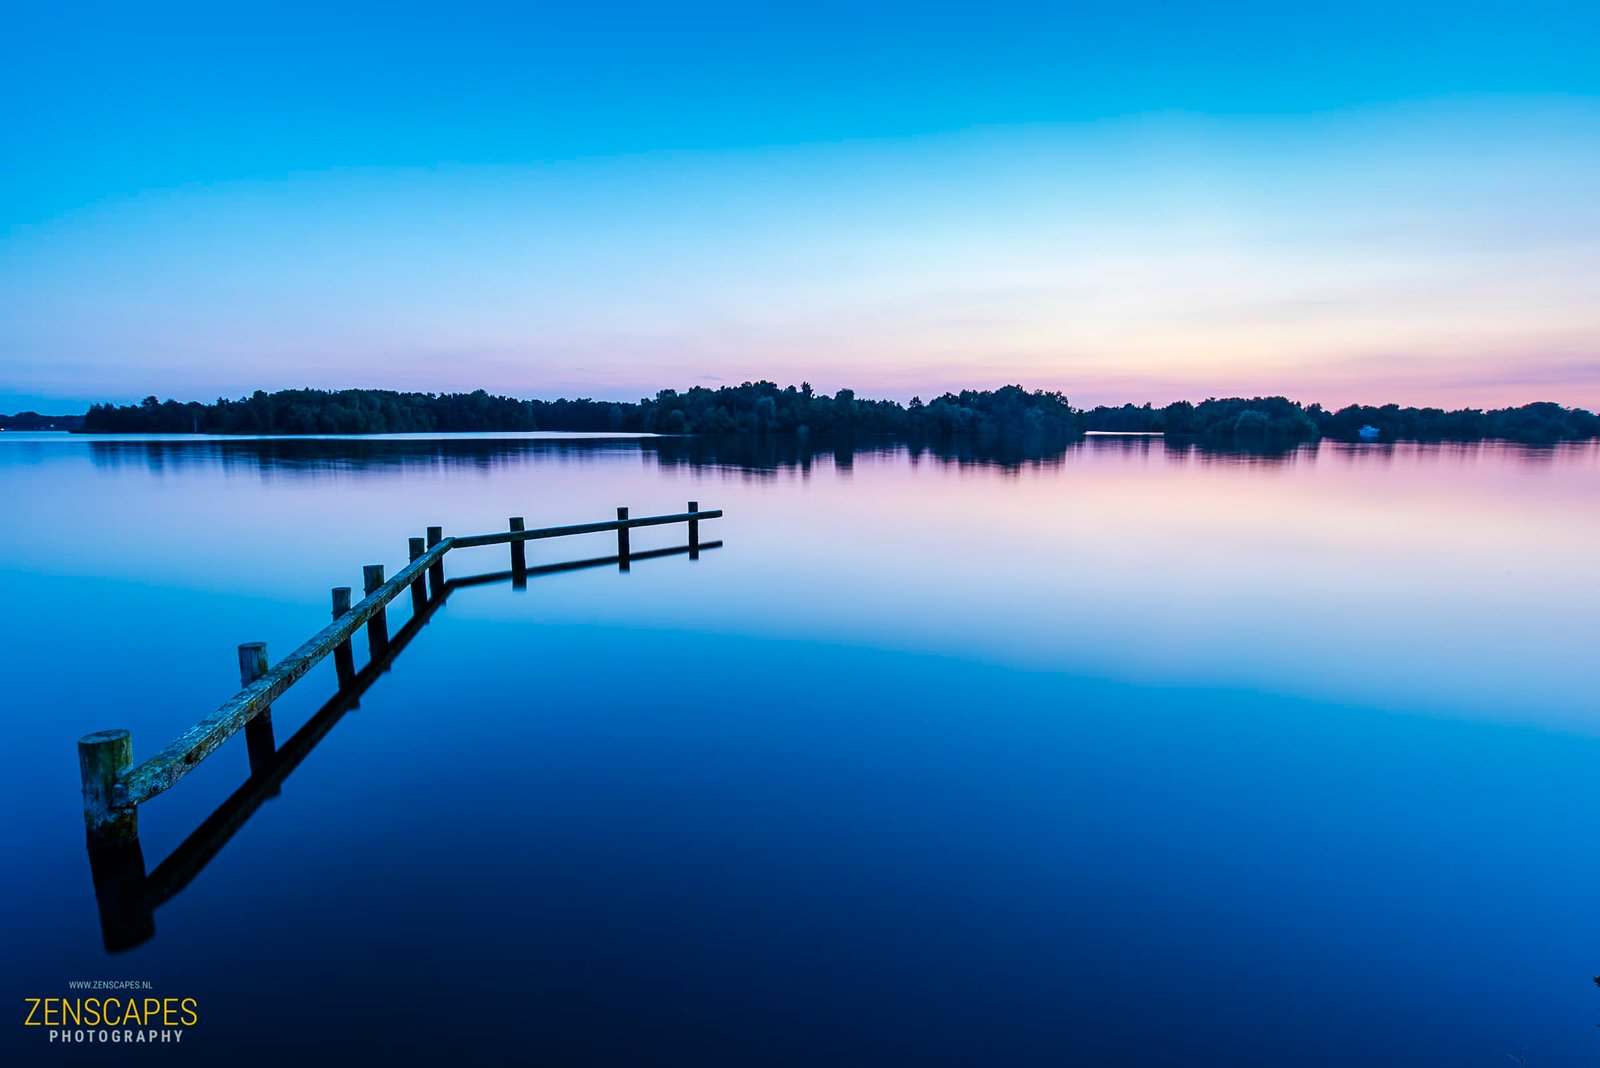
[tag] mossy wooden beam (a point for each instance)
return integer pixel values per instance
(196, 851)
(112, 789)
(160, 772)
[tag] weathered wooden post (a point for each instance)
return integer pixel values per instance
(519, 556)
(378, 624)
(519, 549)
(258, 738)
(102, 757)
(622, 540)
(436, 572)
(419, 585)
(344, 659)
(694, 531)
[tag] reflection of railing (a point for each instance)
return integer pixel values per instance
(128, 897)
(113, 789)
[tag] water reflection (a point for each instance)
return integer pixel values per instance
(127, 896)
(751, 455)
(756, 457)
(954, 757)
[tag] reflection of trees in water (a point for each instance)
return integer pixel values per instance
(335, 456)
(1266, 454)
(771, 454)
(751, 454)
(756, 456)
(1260, 454)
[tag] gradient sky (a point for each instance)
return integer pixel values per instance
(1126, 202)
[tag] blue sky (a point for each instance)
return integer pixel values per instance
(1125, 202)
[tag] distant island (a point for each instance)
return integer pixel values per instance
(766, 408)
(35, 421)
(751, 408)
(1236, 419)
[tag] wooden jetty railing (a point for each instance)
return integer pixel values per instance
(114, 788)
(128, 895)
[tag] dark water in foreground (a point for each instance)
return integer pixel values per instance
(1125, 756)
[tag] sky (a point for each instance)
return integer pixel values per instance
(1136, 202)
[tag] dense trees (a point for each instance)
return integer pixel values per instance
(1235, 420)
(1242, 421)
(751, 408)
(766, 408)
(315, 411)
(763, 407)
(1539, 422)
(1226, 421)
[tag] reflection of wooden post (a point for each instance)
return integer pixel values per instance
(344, 660)
(258, 732)
(126, 915)
(622, 540)
(419, 585)
(519, 550)
(436, 572)
(102, 757)
(694, 531)
(378, 624)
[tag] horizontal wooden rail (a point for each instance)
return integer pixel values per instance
(582, 528)
(160, 772)
(174, 873)
(128, 896)
(112, 790)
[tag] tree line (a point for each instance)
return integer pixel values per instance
(766, 408)
(750, 408)
(1237, 420)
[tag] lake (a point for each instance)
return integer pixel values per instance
(1125, 754)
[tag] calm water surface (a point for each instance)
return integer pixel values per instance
(1126, 755)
